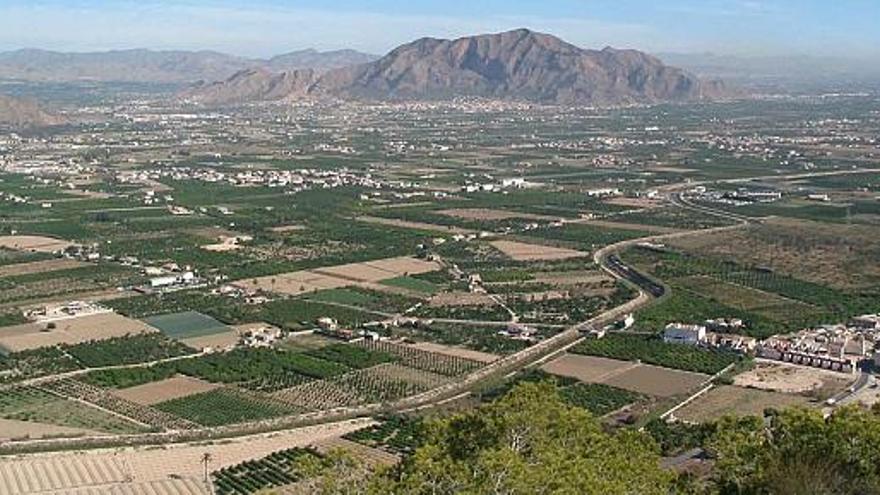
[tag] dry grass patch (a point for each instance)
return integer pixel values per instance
(733, 400)
(39, 267)
(521, 251)
(369, 455)
(36, 243)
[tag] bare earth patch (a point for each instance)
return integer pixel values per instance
(167, 389)
(521, 251)
(657, 229)
(430, 227)
(13, 429)
(734, 400)
(461, 299)
(571, 278)
(220, 340)
(171, 470)
(634, 202)
(654, 380)
(483, 357)
(70, 331)
(34, 243)
(588, 369)
(39, 267)
(332, 277)
(490, 214)
(789, 378)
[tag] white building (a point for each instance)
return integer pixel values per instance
(678, 333)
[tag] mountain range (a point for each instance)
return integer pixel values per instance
(519, 64)
(150, 66)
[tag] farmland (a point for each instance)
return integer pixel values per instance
(652, 350)
(395, 251)
(736, 400)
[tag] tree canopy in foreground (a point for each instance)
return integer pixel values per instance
(531, 442)
(528, 442)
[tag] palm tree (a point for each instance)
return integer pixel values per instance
(206, 458)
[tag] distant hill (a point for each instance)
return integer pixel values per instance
(255, 85)
(313, 59)
(520, 64)
(158, 66)
(23, 113)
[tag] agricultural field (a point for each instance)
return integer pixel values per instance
(172, 388)
(275, 470)
(735, 400)
(837, 256)
(645, 379)
(185, 325)
(222, 406)
(652, 350)
(769, 301)
(70, 331)
(35, 405)
(443, 229)
(792, 379)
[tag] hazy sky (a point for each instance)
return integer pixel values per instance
(265, 27)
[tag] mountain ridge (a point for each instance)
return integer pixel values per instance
(159, 66)
(519, 64)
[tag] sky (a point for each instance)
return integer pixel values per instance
(260, 28)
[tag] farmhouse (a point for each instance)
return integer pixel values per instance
(679, 333)
(866, 322)
(603, 192)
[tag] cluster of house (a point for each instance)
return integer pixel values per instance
(834, 347)
(492, 185)
(264, 336)
(296, 180)
(65, 310)
(838, 347)
(740, 197)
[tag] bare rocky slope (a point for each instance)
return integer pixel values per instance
(20, 113)
(520, 64)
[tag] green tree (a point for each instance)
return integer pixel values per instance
(528, 442)
(799, 451)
